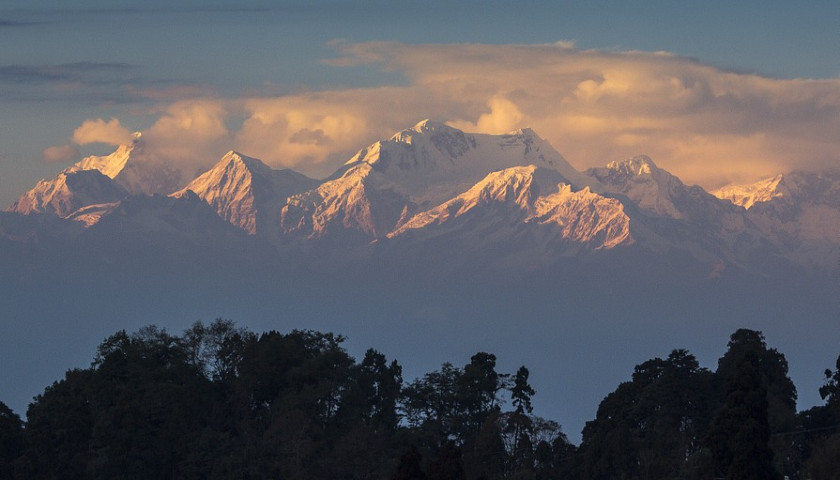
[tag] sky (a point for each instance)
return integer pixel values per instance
(715, 92)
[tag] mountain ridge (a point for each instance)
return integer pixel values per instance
(435, 181)
(245, 191)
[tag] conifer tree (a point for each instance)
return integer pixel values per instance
(741, 432)
(522, 392)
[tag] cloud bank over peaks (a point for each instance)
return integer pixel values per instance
(100, 131)
(707, 125)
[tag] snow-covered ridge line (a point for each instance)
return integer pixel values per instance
(495, 193)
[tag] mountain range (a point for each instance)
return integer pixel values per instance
(444, 199)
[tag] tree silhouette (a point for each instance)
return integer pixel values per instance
(11, 440)
(741, 431)
(780, 391)
(649, 427)
(521, 392)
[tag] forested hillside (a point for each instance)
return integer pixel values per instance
(220, 401)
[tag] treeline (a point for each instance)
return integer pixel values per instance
(222, 402)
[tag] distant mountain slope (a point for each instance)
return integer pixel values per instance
(658, 192)
(99, 180)
(68, 192)
(246, 192)
(507, 203)
(799, 211)
(133, 168)
(748, 195)
(432, 162)
(386, 183)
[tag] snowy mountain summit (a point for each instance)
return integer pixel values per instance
(435, 193)
(100, 180)
(798, 211)
(246, 192)
(648, 186)
(385, 184)
(433, 161)
(760, 192)
(68, 192)
(133, 168)
(507, 203)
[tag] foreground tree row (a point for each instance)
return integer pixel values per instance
(222, 402)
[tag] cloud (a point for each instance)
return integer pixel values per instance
(93, 83)
(79, 71)
(316, 132)
(311, 137)
(60, 154)
(12, 23)
(504, 116)
(100, 131)
(167, 93)
(705, 124)
(191, 134)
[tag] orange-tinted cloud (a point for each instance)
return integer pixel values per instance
(316, 132)
(504, 116)
(100, 131)
(190, 135)
(705, 124)
(60, 154)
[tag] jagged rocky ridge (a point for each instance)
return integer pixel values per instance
(439, 194)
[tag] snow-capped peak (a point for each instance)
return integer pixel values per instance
(758, 192)
(232, 155)
(429, 125)
(435, 135)
(416, 169)
(245, 191)
(234, 159)
(109, 165)
(134, 168)
(640, 165)
(233, 171)
(431, 162)
(531, 196)
(786, 190)
(619, 175)
(648, 186)
(68, 192)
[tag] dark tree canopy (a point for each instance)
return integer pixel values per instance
(741, 431)
(11, 440)
(221, 402)
(821, 446)
(780, 392)
(650, 426)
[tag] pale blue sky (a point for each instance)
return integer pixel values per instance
(64, 62)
